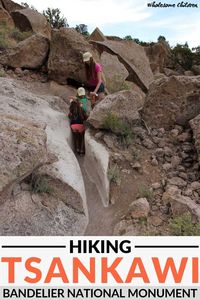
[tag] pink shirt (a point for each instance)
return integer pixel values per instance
(94, 81)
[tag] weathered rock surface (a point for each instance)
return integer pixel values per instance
(11, 5)
(30, 53)
(172, 100)
(158, 56)
(5, 17)
(23, 149)
(140, 208)
(98, 156)
(195, 124)
(37, 214)
(67, 199)
(30, 20)
(133, 57)
(124, 105)
(196, 69)
(114, 71)
(97, 35)
(65, 57)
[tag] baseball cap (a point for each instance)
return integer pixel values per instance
(81, 91)
(87, 56)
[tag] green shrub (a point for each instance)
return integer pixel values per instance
(19, 36)
(145, 192)
(4, 43)
(10, 36)
(184, 225)
(40, 184)
(2, 73)
(182, 55)
(114, 175)
(114, 124)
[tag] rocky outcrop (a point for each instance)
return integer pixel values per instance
(158, 56)
(181, 204)
(125, 105)
(37, 214)
(30, 20)
(195, 124)
(10, 5)
(30, 53)
(23, 149)
(5, 17)
(26, 149)
(133, 57)
(114, 71)
(97, 35)
(172, 100)
(196, 69)
(65, 57)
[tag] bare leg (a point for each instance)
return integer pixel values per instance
(83, 143)
(75, 138)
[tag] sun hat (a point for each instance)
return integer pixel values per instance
(81, 91)
(87, 56)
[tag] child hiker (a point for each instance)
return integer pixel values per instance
(77, 117)
(83, 100)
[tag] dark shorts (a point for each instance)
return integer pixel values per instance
(100, 90)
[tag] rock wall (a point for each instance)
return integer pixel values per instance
(35, 140)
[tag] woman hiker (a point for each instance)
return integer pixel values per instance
(77, 117)
(94, 77)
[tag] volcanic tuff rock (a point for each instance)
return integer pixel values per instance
(172, 100)
(10, 5)
(124, 105)
(30, 53)
(158, 55)
(114, 71)
(38, 144)
(30, 20)
(133, 57)
(65, 57)
(5, 17)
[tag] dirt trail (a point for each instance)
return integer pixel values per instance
(101, 219)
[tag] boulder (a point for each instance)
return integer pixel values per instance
(133, 57)
(23, 149)
(39, 214)
(5, 18)
(195, 124)
(140, 208)
(172, 100)
(158, 56)
(97, 35)
(30, 53)
(170, 72)
(196, 69)
(11, 5)
(124, 105)
(64, 210)
(30, 20)
(65, 57)
(182, 204)
(114, 71)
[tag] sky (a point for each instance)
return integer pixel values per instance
(131, 17)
